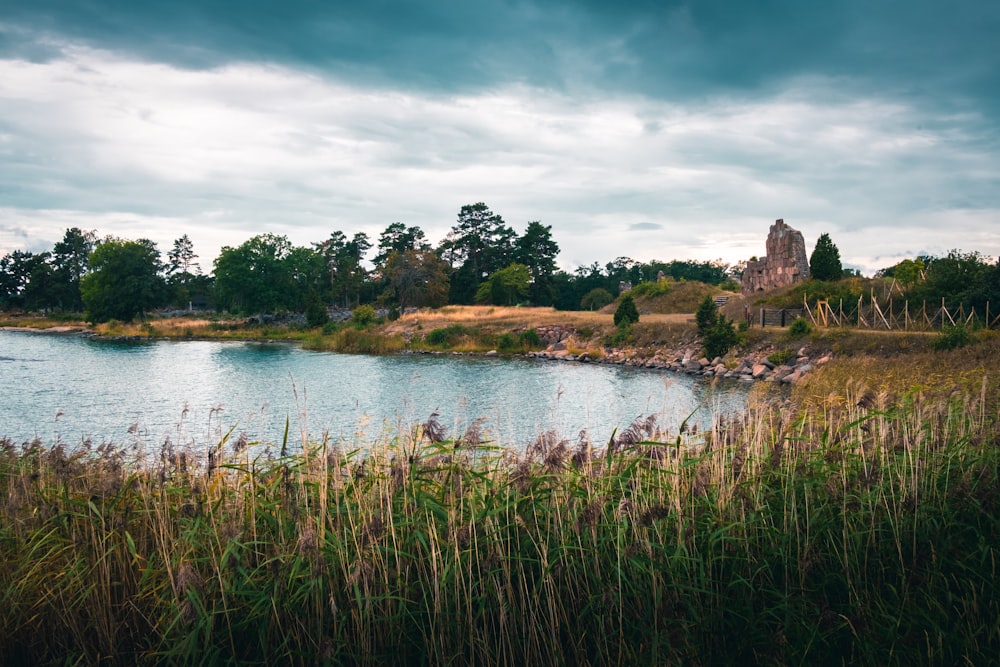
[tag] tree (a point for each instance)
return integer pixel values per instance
(416, 278)
(596, 299)
(824, 263)
(254, 276)
(626, 313)
(706, 315)
(124, 282)
(70, 262)
(720, 337)
(505, 287)
(343, 259)
(180, 263)
(478, 245)
(397, 237)
(536, 250)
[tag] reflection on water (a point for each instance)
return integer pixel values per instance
(71, 388)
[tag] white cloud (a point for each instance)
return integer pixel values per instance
(138, 149)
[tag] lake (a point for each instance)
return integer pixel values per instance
(69, 388)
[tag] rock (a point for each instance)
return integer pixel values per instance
(786, 262)
(759, 371)
(692, 366)
(491, 353)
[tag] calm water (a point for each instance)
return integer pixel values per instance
(69, 388)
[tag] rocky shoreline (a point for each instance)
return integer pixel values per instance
(687, 359)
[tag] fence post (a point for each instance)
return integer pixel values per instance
(763, 319)
(782, 317)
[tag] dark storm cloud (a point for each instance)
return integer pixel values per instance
(686, 119)
(919, 48)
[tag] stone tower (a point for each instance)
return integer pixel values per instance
(786, 262)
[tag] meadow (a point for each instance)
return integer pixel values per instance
(858, 526)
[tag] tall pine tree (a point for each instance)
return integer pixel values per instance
(824, 263)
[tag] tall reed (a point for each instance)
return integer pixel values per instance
(865, 530)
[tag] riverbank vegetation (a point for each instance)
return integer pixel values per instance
(864, 527)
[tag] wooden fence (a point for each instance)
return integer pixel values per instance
(888, 315)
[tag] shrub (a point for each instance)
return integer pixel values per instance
(596, 299)
(626, 313)
(706, 315)
(448, 335)
(780, 357)
(651, 289)
(720, 338)
(316, 315)
(363, 316)
(952, 338)
(530, 339)
(621, 336)
(800, 327)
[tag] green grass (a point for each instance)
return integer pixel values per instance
(864, 531)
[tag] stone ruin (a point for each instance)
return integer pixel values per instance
(785, 264)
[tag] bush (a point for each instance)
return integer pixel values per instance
(626, 313)
(530, 339)
(720, 338)
(952, 338)
(780, 357)
(363, 316)
(448, 335)
(621, 336)
(316, 315)
(596, 299)
(651, 289)
(706, 315)
(800, 327)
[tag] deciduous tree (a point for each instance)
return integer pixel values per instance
(125, 280)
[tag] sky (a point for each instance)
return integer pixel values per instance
(637, 128)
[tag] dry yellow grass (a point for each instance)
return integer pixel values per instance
(494, 318)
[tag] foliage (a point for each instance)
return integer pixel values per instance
(506, 287)
(959, 279)
(907, 272)
(398, 238)
(847, 291)
(824, 263)
(800, 327)
(706, 315)
(363, 316)
(729, 285)
(596, 299)
(316, 313)
(416, 278)
(952, 337)
(254, 277)
(651, 289)
(626, 313)
(720, 338)
(125, 280)
(348, 554)
(537, 250)
(446, 336)
(780, 357)
(621, 336)
(530, 339)
(479, 245)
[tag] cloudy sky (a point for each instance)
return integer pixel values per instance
(653, 129)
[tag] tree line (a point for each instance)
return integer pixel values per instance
(481, 260)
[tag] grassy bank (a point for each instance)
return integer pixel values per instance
(866, 530)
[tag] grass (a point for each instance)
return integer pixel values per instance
(863, 530)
